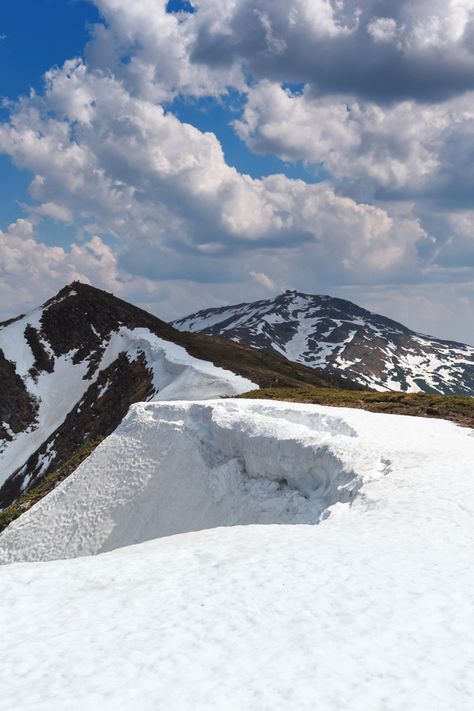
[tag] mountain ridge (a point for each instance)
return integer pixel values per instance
(70, 370)
(341, 337)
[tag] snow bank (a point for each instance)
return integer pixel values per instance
(370, 610)
(182, 466)
(171, 468)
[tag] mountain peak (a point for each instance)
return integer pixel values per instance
(334, 334)
(70, 369)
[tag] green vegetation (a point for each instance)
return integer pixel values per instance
(47, 484)
(261, 367)
(458, 409)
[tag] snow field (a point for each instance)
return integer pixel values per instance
(352, 616)
(370, 610)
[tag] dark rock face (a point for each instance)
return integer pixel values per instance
(97, 414)
(344, 339)
(17, 408)
(81, 317)
(59, 361)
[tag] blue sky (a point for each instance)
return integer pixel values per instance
(209, 115)
(58, 30)
(55, 31)
(185, 159)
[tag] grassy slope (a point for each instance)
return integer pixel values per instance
(456, 408)
(263, 368)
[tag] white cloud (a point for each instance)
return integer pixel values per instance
(147, 178)
(264, 280)
(54, 211)
(383, 29)
(31, 272)
(398, 148)
(158, 47)
(321, 42)
(107, 157)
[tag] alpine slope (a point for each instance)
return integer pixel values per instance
(70, 369)
(336, 335)
(254, 555)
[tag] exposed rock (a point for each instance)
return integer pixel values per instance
(341, 338)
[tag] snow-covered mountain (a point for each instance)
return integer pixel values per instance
(70, 369)
(369, 608)
(336, 335)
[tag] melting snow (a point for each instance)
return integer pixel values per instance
(372, 609)
(414, 362)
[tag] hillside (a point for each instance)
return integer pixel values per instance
(70, 370)
(341, 338)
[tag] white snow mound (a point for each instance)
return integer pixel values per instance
(371, 610)
(184, 466)
(172, 468)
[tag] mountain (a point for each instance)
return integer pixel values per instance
(70, 370)
(342, 338)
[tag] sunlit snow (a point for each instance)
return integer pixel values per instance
(371, 608)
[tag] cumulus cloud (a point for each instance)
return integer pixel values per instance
(151, 49)
(404, 150)
(149, 179)
(381, 95)
(418, 49)
(31, 271)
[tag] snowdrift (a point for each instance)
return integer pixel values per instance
(371, 609)
(172, 468)
(185, 466)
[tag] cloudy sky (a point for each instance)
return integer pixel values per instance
(192, 154)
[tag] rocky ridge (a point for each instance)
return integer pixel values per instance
(340, 337)
(70, 370)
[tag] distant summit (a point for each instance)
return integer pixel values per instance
(336, 335)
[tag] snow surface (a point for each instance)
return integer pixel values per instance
(370, 610)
